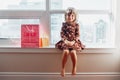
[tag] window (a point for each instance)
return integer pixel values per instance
(56, 27)
(95, 30)
(96, 19)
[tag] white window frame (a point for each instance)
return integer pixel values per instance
(46, 21)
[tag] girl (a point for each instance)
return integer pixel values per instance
(70, 42)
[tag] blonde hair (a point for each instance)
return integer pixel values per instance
(70, 11)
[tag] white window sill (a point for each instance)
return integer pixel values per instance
(54, 50)
(10, 48)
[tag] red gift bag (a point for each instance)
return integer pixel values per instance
(30, 35)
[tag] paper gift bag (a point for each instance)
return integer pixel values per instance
(30, 35)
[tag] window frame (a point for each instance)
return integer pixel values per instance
(46, 21)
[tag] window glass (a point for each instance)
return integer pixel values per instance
(56, 24)
(80, 4)
(95, 30)
(22, 4)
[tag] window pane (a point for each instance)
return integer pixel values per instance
(22, 4)
(10, 31)
(94, 29)
(56, 23)
(81, 4)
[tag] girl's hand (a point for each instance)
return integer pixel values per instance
(69, 43)
(66, 41)
(77, 38)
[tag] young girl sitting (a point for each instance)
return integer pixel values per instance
(70, 42)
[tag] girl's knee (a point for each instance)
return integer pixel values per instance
(73, 51)
(66, 52)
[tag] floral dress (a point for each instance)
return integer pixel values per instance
(70, 32)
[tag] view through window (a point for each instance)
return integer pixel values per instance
(96, 21)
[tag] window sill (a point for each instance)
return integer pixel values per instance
(54, 50)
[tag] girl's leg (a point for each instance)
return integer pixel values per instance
(64, 60)
(74, 61)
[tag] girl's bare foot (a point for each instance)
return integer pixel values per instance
(74, 71)
(63, 72)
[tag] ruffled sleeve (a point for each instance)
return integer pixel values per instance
(77, 31)
(62, 33)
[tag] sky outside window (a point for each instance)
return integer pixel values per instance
(22, 4)
(81, 4)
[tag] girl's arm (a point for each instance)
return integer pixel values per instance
(77, 32)
(62, 33)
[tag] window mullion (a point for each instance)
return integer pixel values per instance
(21, 14)
(48, 19)
(83, 11)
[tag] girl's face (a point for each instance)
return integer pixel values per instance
(70, 18)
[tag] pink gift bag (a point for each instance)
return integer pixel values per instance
(30, 35)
